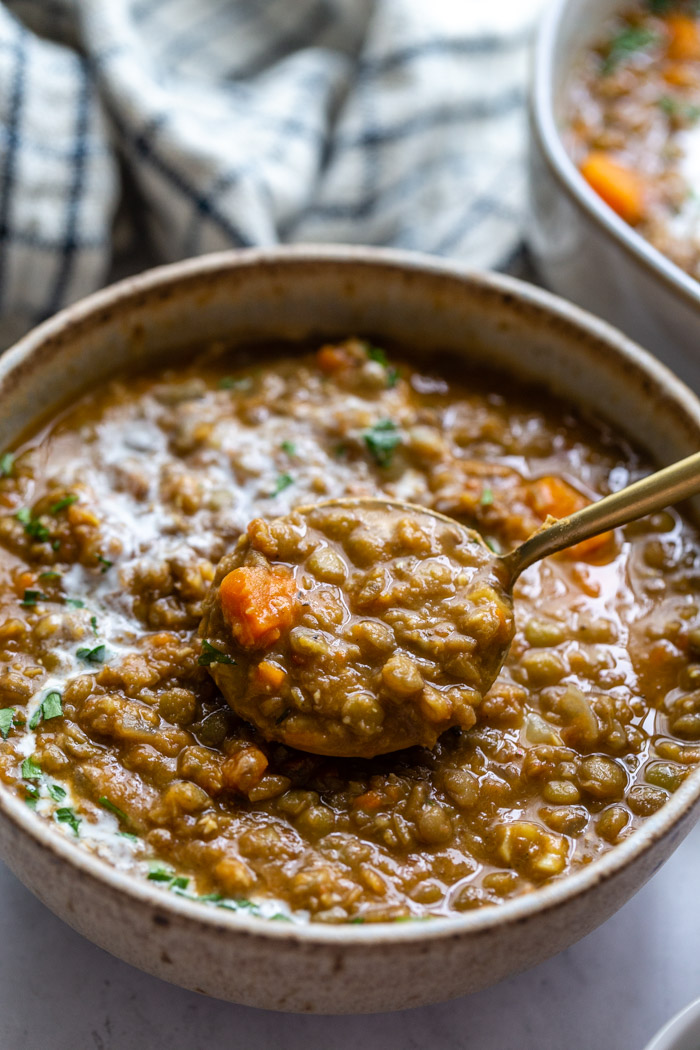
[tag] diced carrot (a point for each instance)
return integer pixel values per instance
(553, 496)
(623, 190)
(680, 74)
(370, 801)
(270, 674)
(259, 603)
(684, 38)
(332, 359)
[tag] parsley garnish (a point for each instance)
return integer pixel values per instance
(57, 792)
(32, 597)
(7, 715)
(340, 450)
(49, 575)
(381, 440)
(211, 655)
(32, 526)
(289, 447)
(92, 656)
(30, 769)
(634, 38)
(233, 383)
(6, 464)
(77, 603)
(67, 501)
(674, 107)
(161, 874)
(105, 563)
(50, 707)
(67, 816)
(392, 376)
(93, 624)
(375, 353)
(283, 482)
(487, 497)
(104, 801)
(31, 795)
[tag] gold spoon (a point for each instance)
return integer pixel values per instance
(325, 716)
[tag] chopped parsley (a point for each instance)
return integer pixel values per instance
(283, 482)
(340, 449)
(67, 501)
(7, 716)
(233, 383)
(31, 795)
(674, 107)
(626, 43)
(375, 353)
(492, 545)
(105, 563)
(158, 873)
(289, 447)
(67, 815)
(7, 461)
(32, 597)
(92, 656)
(31, 770)
(486, 497)
(211, 655)
(106, 804)
(49, 575)
(32, 526)
(93, 624)
(57, 792)
(381, 440)
(77, 603)
(50, 707)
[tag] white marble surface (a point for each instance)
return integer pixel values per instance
(609, 992)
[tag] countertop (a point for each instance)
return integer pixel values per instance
(611, 991)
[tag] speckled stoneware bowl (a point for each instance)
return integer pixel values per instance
(315, 294)
(583, 249)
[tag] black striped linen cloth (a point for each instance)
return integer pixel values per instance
(253, 122)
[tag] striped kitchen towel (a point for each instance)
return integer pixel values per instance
(253, 122)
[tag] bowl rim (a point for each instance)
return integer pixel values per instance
(681, 1024)
(550, 310)
(544, 128)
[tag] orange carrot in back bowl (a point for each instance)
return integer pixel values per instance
(622, 189)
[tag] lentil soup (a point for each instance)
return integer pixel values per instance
(115, 520)
(632, 123)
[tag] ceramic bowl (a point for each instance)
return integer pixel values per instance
(681, 1033)
(582, 248)
(426, 305)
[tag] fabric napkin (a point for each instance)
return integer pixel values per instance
(253, 122)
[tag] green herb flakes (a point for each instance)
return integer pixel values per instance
(92, 656)
(31, 770)
(105, 563)
(375, 353)
(211, 655)
(106, 804)
(289, 447)
(93, 624)
(57, 792)
(67, 815)
(283, 482)
(7, 716)
(381, 440)
(233, 383)
(32, 526)
(62, 504)
(32, 597)
(626, 43)
(486, 497)
(677, 109)
(31, 795)
(77, 603)
(49, 576)
(7, 462)
(52, 706)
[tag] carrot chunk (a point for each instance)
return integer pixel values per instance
(259, 604)
(684, 38)
(553, 496)
(331, 359)
(370, 801)
(623, 190)
(270, 674)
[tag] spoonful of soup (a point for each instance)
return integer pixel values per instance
(360, 626)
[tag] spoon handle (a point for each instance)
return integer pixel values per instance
(655, 492)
